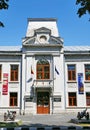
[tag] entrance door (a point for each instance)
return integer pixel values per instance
(43, 105)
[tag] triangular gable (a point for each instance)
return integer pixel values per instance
(28, 40)
(52, 40)
(42, 30)
(55, 40)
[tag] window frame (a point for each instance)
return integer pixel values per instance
(87, 76)
(43, 73)
(14, 99)
(71, 73)
(14, 73)
(87, 98)
(72, 99)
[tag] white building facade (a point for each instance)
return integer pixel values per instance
(42, 76)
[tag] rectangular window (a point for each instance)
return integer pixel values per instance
(14, 73)
(72, 99)
(71, 72)
(43, 72)
(87, 72)
(0, 72)
(46, 72)
(13, 99)
(88, 99)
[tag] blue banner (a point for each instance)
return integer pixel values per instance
(80, 83)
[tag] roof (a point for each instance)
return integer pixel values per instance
(76, 48)
(66, 48)
(42, 19)
(10, 48)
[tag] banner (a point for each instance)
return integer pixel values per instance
(5, 84)
(80, 83)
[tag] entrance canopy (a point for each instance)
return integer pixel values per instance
(43, 85)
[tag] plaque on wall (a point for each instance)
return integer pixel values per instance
(28, 99)
(57, 99)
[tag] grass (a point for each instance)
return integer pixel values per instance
(81, 124)
(10, 124)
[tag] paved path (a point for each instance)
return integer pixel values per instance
(47, 122)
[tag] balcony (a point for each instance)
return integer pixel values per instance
(44, 83)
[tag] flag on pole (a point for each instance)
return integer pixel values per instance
(56, 70)
(32, 70)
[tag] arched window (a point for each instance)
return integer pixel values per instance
(43, 69)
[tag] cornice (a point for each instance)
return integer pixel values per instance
(42, 19)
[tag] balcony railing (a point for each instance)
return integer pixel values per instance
(43, 83)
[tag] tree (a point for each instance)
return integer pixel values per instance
(84, 7)
(3, 5)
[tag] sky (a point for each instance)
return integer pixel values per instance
(75, 31)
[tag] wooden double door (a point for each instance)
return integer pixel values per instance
(43, 103)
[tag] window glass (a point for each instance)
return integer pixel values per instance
(13, 99)
(14, 73)
(71, 72)
(72, 99)
(88, 99)
(87, 72)
(43, 69)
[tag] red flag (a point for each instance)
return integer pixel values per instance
(32, 70)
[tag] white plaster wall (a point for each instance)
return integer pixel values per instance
(73, 86)
(12, 86)
(0, 98)
(59, 81)
(29, 76)
(23, 82)
(33, 25)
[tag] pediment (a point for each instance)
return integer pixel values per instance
(55, 40)
(42, 36)
(51, 41)
(28, 40)
(43, 30)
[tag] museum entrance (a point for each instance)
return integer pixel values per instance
(43, 103)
